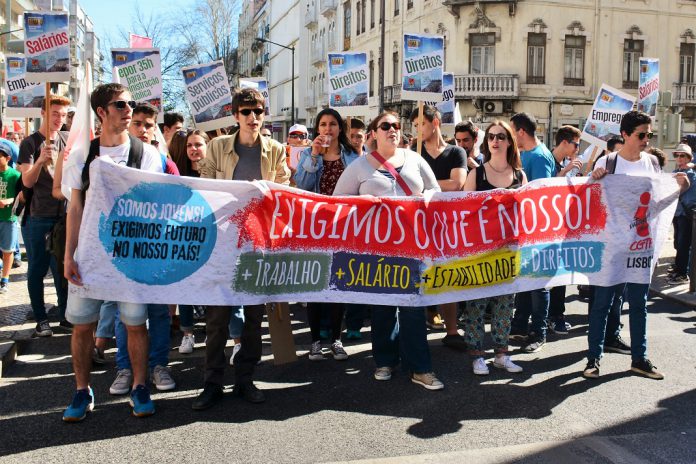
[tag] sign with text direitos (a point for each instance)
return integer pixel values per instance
(604, 120)
(423, 67)
(47, 46)
(648, 85)
(23, 98)
(140, 69)
(259, 84)
(208, 94)
(151, 238)
(348, 81)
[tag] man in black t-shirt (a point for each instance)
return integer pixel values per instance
(448, 162)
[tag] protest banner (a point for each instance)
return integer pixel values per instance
(46, 46)
(605, 117)
(648, 85)
(348, 78)
(141, 71)
(208, 95)
(422, 67)
(259, 84)
(151, 238)
(23, 98)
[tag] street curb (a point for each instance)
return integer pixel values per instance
(670, 297)
(8, 354)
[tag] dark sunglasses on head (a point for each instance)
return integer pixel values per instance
(257, 111)
(385, 126)
(121, 104)
(298, 136)
(642, 135)
(502, 137)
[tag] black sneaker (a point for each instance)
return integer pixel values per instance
(617, 346)
(592, 369)
(211, 394)
(16, 264)
(98, 357)
(645, 368)
(456, 342)
(678, 279)
(249, 392)
(64, 324)
(43, 329)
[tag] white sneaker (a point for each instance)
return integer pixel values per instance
(339, 353)
(187, 344)
(122, 382)
(480, 367)
(504, 362)
(162, 378)
(383, 373)
(235, 350)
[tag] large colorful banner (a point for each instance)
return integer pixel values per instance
(140, 69)
(423, 67)
(23, 98)
(604, 120)
(259, 84)
(648, 85)
(47, 46)
(208, 95)
(349, 77)
(447, 105)
(152, 238)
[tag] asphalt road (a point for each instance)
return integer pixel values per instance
(334, 411)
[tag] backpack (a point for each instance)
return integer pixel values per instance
(135, 157)
(611, 162)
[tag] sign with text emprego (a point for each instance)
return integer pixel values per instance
(151, 238)
(604, 120)
(47, 46)
(648, 85)
(140, 69)
(423, 66)
(208, 95)
(447, 105)
(23, 98)
(348, 80)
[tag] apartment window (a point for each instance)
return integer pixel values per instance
(482, 53)
(536, 58)
(409, 4)
(395, 68)
(364, 15)
(372, 73)
(346, 20)
(358, 16)
(372, 14)
(397, 4)
(686, 63)
(574, 60)
(633, 50)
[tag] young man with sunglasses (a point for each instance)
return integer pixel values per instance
(245, 155)
(113, 105)
(631, 159)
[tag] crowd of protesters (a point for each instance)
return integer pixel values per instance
(344, 157)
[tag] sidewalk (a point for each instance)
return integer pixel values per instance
(659, 285)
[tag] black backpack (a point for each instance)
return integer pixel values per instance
(135, 157)
(611, 162)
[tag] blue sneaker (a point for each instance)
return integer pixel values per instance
(82, 403)
(141, 403)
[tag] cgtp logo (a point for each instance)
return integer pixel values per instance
(641, 225)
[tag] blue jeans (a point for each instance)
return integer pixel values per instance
(186, 318)
(604, 298)
(34, 233)
(400, 333)
(682, 243)
(107, 320)
(534, 303)
(158, 328)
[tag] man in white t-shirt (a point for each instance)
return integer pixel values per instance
(630, 159)
(113, 105)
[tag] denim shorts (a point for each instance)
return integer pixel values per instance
(81, 310)
(8, 236)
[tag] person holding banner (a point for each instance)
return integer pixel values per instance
(393, 171)
(502, 168)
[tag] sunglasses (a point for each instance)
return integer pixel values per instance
(256, 111)
(182, 133)
(297, 136)
(642, 135)
(681, 155)
(121, 104)
(575, 144)
(385, 126)
(501, 137)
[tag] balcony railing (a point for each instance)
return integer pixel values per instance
(487, 86)
(310, 17)
(318, 54)
(328, 7)
(684, 93)
(392, 94)
(310, 100)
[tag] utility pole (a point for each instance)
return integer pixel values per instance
(382, 26)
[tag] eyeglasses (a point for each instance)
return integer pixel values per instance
(681, 155)
(257, 111)
(297, 136)
(385, 126)
(121, 104)
(642, 135)
(502, 137)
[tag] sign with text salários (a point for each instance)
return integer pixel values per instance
(423, 66)
(153, 238)
(47, 46)
(208, 95)
(23, 98)
(140, 69)
(348, 81)
(604, 120)
(259, 84)
(648, 85)
(446, 107)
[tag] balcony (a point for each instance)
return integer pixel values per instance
(683, 93)
(322, 98)
(309, 99)
(331, 43)
(318, 55)
(328, 7)
(392, 94)
(310, 17)
(487, 86)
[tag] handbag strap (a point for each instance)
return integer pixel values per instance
(397, 177)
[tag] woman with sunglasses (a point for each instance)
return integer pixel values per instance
(501, 169)
(390, 171)
(318, 170)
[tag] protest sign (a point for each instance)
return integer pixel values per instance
(259, 84)
(605, 117)
(648, 85)
(422, 67)
(348, 80)
(141, 71)
(208, 95)
(47, 46)
(23, 97)
(151, 238)
(446, 107)
(294, 154)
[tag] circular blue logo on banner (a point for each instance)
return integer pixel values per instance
(158, 234)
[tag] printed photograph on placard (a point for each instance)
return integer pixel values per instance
(422, 67)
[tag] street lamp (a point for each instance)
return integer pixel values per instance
(292, 77)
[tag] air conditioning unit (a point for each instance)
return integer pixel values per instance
(493, 107)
